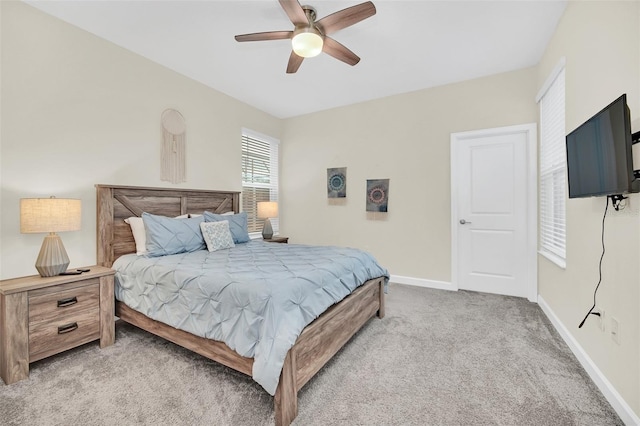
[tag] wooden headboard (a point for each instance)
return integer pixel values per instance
(116, 203)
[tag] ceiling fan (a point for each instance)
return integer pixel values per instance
(310, 37)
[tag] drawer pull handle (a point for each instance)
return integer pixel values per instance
(67, 328)
(67, 302)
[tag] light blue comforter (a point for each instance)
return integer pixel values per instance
(256, 297)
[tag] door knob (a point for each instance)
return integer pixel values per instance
(464, 222)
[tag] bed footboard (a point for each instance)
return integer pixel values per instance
(315, 346)
(320, 341)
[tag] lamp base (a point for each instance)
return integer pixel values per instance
(267, 230)
(53, 258)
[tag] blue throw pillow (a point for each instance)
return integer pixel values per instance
(166, 235)
(237, 225)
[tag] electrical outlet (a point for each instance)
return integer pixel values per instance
(601, 320)
(615, 330)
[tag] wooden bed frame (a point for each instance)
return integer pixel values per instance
(315, 346)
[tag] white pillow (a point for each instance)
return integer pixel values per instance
(217, 235)
(139, 233)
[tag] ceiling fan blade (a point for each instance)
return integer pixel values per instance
(294, 63)
(294, 12)
(338, 51)
(346, 17)
(270, 35)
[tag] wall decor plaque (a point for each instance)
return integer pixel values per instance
(377, 195)
(337, 182)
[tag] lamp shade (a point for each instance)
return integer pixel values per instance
(49, 215)
(267, 209)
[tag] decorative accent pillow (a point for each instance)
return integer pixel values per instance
(237, 224)
(217, 235)
(139, 234)
(172, 236)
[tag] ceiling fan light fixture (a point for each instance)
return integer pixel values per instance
(309, 37)
(307, 43)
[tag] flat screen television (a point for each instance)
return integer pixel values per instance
(599, 156)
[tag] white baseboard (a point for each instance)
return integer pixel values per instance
(421, 282)
(610, 393)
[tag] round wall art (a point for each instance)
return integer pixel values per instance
(377, 195)
(337, 182)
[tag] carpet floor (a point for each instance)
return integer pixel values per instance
(437, 358)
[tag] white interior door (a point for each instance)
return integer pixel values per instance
(491, 211)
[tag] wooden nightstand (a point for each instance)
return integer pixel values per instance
(40, 317)
(282, 240)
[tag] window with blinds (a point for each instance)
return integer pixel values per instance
(553, 165)
(259, 176)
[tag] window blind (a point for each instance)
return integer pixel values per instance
(259, 176)
(553, 165)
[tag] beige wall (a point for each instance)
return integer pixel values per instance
(405, 138)
(601, 44)
(78, 110)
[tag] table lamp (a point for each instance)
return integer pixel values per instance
(50, 215)
(267, 210)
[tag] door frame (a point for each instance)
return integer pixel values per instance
(530, 131)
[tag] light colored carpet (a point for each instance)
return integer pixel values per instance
(437, 358)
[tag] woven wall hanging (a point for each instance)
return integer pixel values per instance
(174, 135)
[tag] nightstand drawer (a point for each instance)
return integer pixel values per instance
(64, 332)
(62, 317)
(60, 301)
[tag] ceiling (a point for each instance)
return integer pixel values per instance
(406, 46)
